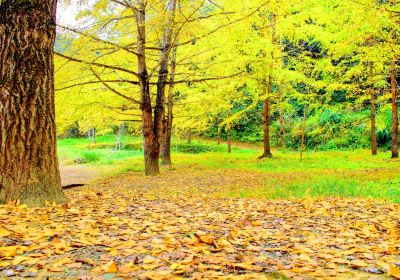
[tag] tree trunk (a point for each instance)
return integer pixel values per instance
(267, 97)
(94, 135)
(151, 145)
(374, 146)
(303, 133)
(189, 136)
(166, 147)
(395, 116)
(29, 169)
(219, 131)
(281, 124)
(159, 110)
(153, 127)
(266, 110)
(228, 138)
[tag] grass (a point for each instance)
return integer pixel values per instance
(321, 174)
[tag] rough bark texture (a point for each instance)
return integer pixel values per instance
(29, 169)
(166, 147)
(374, 146)
(395, 116)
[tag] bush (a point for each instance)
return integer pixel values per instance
(126, 147)
(194, 148)
(90, 156)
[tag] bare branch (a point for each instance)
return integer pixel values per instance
(112, 89)
(97, 64)
(97, 82)
(121, 47)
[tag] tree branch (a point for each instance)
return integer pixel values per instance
(97, 64)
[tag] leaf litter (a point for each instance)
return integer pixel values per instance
(180, 226)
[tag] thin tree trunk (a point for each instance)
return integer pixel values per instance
(374, 146)
(303, 133)
(29, 169)
(281, 124)
(266, 110)
(166, 147)
(228, 138)
(153, 128)
(159, 110)
(150, 143)
(219, 131)
(395, 116)
(267, 97)
(189, 136)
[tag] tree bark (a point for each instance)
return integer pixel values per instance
(189, 136)
(267, 97)
(374, 146)
(153, 127)
(303, 133)
(219, 131)
(281, 123)
(395, 116)
(159, 110)
(228, 138)
(29, 170)
(151, 145)
(266, 112)
(166, 147)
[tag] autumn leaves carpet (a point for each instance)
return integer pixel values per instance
(179, 225)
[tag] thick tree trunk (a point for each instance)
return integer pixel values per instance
(228, 138)
(29, 169)
(166, 147)
(303, 132)
(374, 146)
(266, 112)
(395, 116)
(281, 124)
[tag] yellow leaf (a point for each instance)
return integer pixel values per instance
(4, 232)
(110, 267)
(10, 251)
(207, 239)
(394, 271)
(149, 259)
(19, 259)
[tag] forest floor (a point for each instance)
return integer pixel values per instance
(180, 225)
(211, 215)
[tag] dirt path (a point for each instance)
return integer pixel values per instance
(80, 174)
(180, 226)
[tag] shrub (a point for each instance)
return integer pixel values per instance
(90, 156)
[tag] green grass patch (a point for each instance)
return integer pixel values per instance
(321, 174)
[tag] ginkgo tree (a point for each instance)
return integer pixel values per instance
(29, 170)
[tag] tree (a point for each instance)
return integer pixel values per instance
(29, 170)
(395, 114)
(156, 27)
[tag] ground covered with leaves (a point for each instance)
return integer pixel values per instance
(180, 225)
